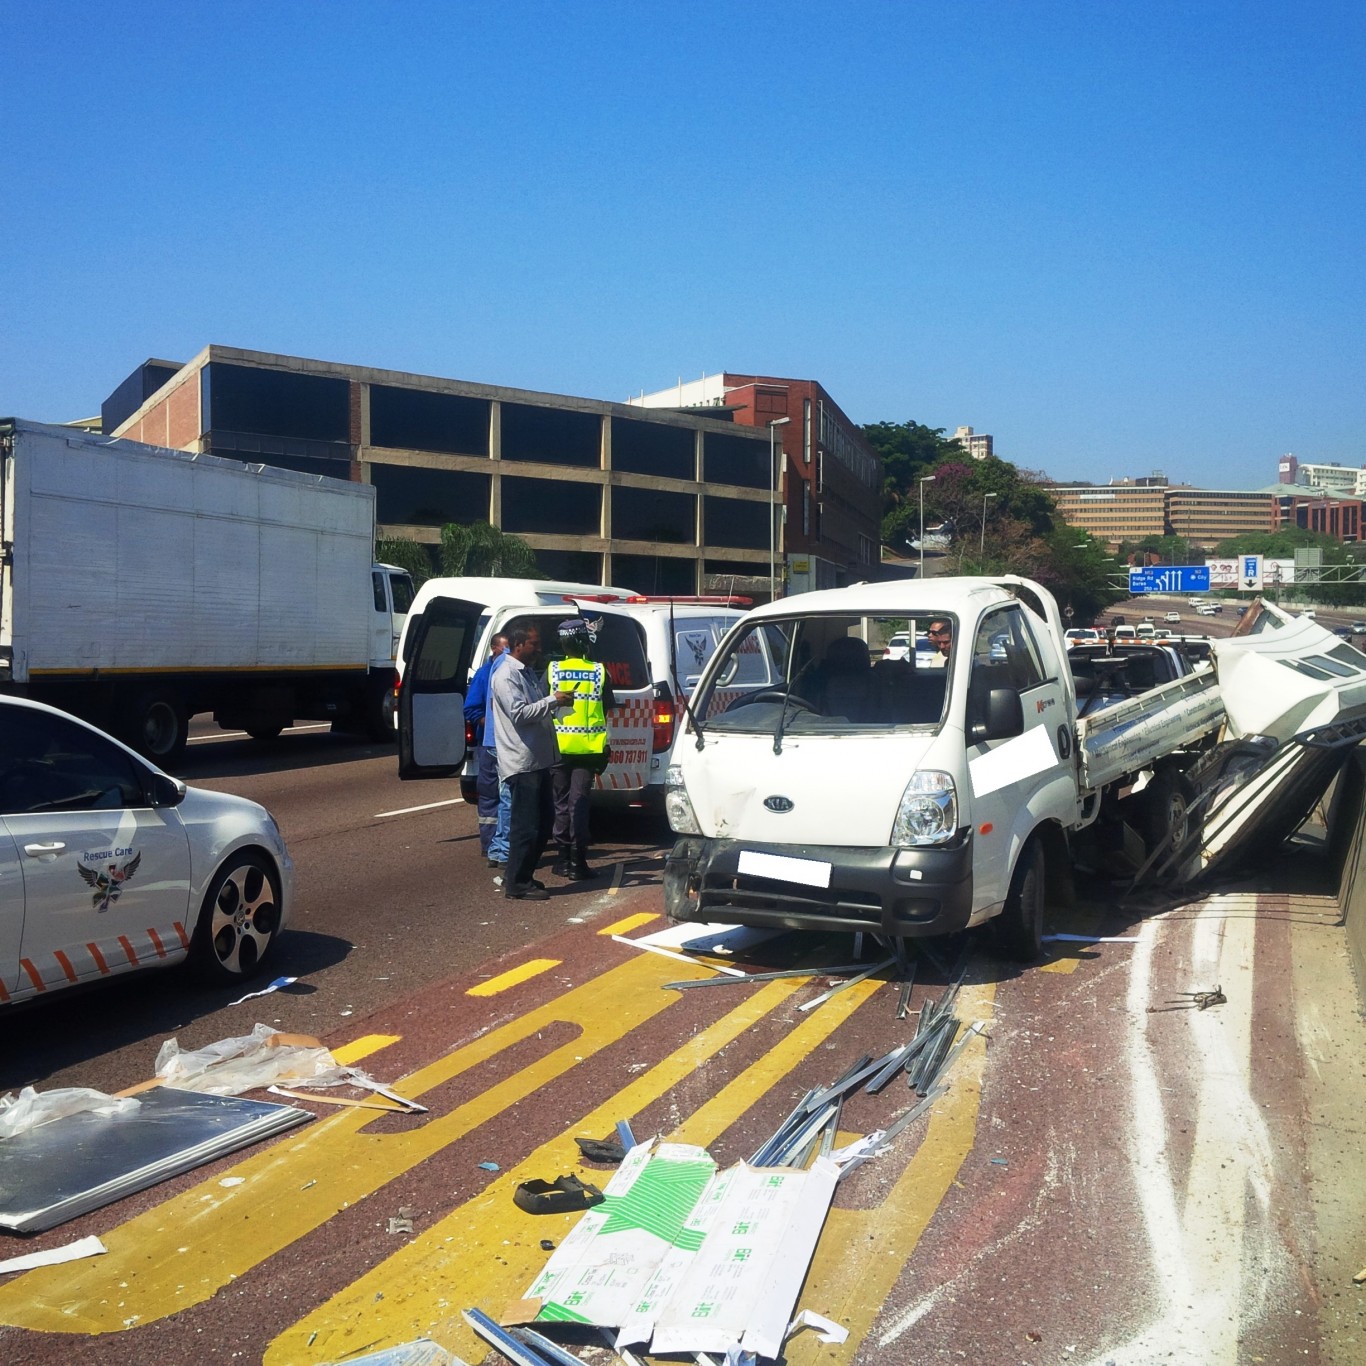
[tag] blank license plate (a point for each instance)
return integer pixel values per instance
(809, 872)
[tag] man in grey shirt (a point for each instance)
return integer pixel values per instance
(524, 736)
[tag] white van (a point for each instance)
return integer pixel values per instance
(446, 637)
(681, 635)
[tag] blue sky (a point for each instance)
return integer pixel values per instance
(1118, 237)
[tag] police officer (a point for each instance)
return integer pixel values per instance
(582, 736)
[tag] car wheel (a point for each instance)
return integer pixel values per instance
(1019, 927)
(238, 921)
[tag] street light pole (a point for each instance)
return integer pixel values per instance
(928, 479)
(982, 539)
(772, 500)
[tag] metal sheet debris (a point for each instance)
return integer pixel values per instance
(85, 1161)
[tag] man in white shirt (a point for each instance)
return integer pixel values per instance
(940, 633)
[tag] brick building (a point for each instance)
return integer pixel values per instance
(827, 478)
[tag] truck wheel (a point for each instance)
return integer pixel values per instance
(159, 726)
(1019, 927)
(1165, 819)
(379, 715)
(238, 921)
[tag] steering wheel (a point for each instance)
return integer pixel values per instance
(781, 695)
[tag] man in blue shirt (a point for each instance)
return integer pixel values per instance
(485, 753)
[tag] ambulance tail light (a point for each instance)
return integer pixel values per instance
(663, 718)
(471, 736)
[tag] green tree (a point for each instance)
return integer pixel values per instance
(480, 549)
(908, 450)
(407, 555)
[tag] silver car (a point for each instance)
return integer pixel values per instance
(108, 865)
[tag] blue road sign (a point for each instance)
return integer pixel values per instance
(1172, 578)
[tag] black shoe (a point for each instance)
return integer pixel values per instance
(496, 862)
(563, 868)
(531, 892)
(577, 875)
(537, 884)
(582, 872)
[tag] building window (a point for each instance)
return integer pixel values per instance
(578, 566)
(653, 515)
(738, 460)
(655, 574)
(772, 402)
(419, 420)
(806, 431)
(655, 448)
(554, 435)
(735, 522)
(552, 507)
(411, 496)
(806, 508)
(243, 398)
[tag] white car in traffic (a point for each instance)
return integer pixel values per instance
(108, 865)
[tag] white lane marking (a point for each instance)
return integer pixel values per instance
(1198, 1247)
(409, 810)
(242, 735)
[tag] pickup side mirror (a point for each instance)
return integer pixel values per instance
(1005, 715)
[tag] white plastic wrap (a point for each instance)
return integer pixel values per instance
(30, 1108)
(249, 1063)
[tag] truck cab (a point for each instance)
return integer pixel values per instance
(907, 797)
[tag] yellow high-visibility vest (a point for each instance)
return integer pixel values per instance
(584, 729)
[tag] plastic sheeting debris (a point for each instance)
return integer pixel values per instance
(55, 1256)
(30, 1108)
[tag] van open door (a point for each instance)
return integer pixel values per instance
(431, 700)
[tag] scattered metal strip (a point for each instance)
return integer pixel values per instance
(801, 1109)
(501, 1340)
(762, 977)
(903, 1004)
(896, 1060)
(861, 1070)
(934, 1058)
(937, 1031)
(552, 1351)
(787, 1153)
(853, 981)
(884, 1136)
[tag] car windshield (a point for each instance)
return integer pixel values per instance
(828, 674)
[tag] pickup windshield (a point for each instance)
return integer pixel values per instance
(831, 674)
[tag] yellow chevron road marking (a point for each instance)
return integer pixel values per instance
(862, 1252)
(487, 1251)
(363, 1047)
(183, 1251)
(514, 977)
(632, 922)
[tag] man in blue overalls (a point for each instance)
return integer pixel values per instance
(582, 736)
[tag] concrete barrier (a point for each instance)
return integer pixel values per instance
(1346, 841)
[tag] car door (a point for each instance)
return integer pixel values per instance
(1009, 774)
(106, 875)
(431, 702)
(11, 911)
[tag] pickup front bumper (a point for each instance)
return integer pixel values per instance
(905, 893)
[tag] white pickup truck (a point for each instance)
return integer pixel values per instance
(911, 798)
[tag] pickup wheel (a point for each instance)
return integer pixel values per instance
(238, 921)
(1019, 927)
(1165, 820)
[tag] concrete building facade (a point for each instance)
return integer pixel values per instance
(978, 445)
(827, 478)
(664, 502)
(1132, 510)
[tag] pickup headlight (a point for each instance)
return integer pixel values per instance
(928, 813)
(677, 807)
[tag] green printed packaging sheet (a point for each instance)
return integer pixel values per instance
(604, 1271)
(695, 1259)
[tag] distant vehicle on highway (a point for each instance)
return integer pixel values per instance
(1081, 634)
(1172, 616)
(1344, 631)
(1359, 627)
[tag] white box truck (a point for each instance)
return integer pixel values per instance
(816, 789)
(139, 586)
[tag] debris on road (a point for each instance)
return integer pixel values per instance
(278, 984)
(55, 1256)
(564, 1195)
(30, 1108)
(87, 1160)
(489, 1167)
(402, 1222)
(608, 1150)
